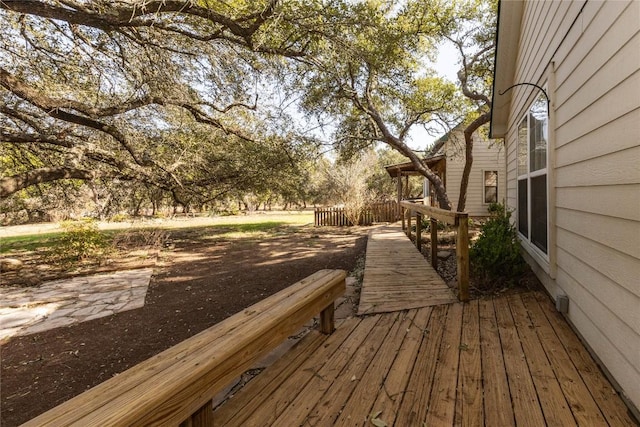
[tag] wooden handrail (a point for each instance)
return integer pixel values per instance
(177, 385)
(458, 219)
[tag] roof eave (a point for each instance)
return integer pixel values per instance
(507, 43)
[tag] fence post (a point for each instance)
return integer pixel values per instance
(434, 242)
(419, 231)
(462, 255)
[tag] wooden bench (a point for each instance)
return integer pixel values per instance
(176, 386)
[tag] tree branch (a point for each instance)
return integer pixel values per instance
(12, 184)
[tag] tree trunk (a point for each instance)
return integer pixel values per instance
(468, 162)
(468, 143)
(399, 145)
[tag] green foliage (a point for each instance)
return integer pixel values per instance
(81, 240)
(195, 108)
(426, 225)
(120, 217)
(28, 243)
(495, 256)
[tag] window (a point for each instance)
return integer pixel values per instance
(532, 174)
(490, 187)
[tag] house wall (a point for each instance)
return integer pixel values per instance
(485, 157)
(588, 56)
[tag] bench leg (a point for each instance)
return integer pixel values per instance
(327, 319)
(203, 417)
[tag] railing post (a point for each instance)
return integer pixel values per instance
(409, 223)
(434, 242)
(462, 255)
(419, 231)
(403, 215)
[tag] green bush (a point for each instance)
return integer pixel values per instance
(495, 256)
(120, 217)
(81, 240)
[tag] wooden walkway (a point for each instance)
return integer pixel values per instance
(397, 276)
(507, 361)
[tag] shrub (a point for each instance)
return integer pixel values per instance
(495, 256)
(80, 240)
(148, 238)
(120, 217)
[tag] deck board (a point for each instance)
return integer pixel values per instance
(602, 391)
(395, 385)
(469, 410)
(397, 276)
(584, 408)
(509, 360)
(361, 401)
(498, 410)
(554, 405)
(524, 398)
(442, 399)
(485, 363)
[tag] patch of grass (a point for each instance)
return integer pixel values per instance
(253, 227)
(229, 227)
(29, 243)
(254, 230)
(33, 242)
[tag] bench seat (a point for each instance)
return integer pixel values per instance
(179, 383)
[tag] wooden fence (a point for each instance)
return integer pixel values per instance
(375, 212)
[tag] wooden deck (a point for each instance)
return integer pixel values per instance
(397, 276)
(507, 361)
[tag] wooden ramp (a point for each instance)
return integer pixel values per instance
(508, 361)
(397, 276)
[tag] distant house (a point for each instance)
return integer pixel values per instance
(487, 182)
(573, 163)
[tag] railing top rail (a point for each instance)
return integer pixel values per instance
(448, 217)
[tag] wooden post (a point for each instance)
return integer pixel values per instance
(400, 208)
(403, 215)
(406, 185)
(462, 255)
(409, 213)
(434, 243)
(419, 231)
(327, 319)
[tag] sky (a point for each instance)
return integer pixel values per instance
(447, 66)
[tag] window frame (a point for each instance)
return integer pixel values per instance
(529, 175)
(484, 186)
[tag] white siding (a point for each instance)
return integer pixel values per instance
(594, 167)
(487, 156)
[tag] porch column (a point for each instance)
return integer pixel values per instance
(399, 185)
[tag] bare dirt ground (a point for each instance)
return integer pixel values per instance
(199, 281)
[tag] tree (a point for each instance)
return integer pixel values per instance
(385, 188)
(93, 90)
(470, 26)
(371, 78)
(116, 90)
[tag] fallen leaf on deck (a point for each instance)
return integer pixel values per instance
(377, 421)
